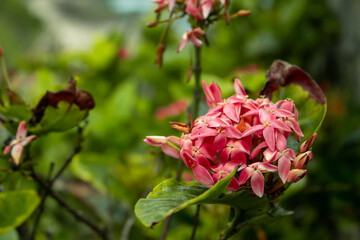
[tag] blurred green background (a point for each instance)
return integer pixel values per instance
(107, 45)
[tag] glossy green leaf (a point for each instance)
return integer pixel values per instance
(245, 201)
(61, 118)
(16, 111)
(273, 215)
(16, 207)
(171, 196)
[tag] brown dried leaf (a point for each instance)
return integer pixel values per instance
(70, 94)
(282, 74)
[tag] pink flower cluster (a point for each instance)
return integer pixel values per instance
(239, 131)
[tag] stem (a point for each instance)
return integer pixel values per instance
(232, 227)
(101, 232)
(196, 222)
(197, 88)
(5, 73)
(197, 95)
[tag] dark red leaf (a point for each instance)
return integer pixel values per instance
(70, 94)
(282, 74)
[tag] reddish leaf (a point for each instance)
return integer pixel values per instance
(70, 94)
(282, 74)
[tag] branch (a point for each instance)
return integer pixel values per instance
(101, 232)
(196, 222)
(49, 191)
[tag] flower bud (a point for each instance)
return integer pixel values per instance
(1, 52)
(305, 146)
(182, 127)
(152, 24)
(302, 160)
(155, 140)
(242, 13)
(296, 174)
(159, 54)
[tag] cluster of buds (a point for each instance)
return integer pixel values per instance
(201, 13)
(240, 132)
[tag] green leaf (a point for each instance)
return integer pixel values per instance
(171, 196)
(61, 118)
(9, 235)
(16, 207)
(245, 201)
(273, 215)
(21, 112)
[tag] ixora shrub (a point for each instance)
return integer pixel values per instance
(243, 152)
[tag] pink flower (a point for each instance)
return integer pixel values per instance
(254, 171)
(172, 110)
(16, 146)
(193, 9)
(170, 3)
(206, 6)
(240, 131)
(192, 36)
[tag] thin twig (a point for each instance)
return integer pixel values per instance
(196, 222)
(197, 88)
(101, 232)
(49, 191)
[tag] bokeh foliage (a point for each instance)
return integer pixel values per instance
(114, 168)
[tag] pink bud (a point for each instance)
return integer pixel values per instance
(155, 140)
(302, 160)
(123, 53)
(296, 174)
(305, 146)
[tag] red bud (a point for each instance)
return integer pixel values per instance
(296, 175)
(305, 146)
(302, 160)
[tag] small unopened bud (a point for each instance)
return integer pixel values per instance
(296, 175)
(156, 140)
(242, 13)
(305, 146)
(302, 160)
(123, 53)
(1, 51)
(227, 16)
(159, 54)
(152, 24)
(182, 127)
(161, 7)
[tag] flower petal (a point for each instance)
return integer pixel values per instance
(239, 89)
(269, 137)
(16, 153)
(203, 176)
(245, 175)
(284, 165)
(21, 131)
(252, 130)
(172, 152)
(257, 183)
